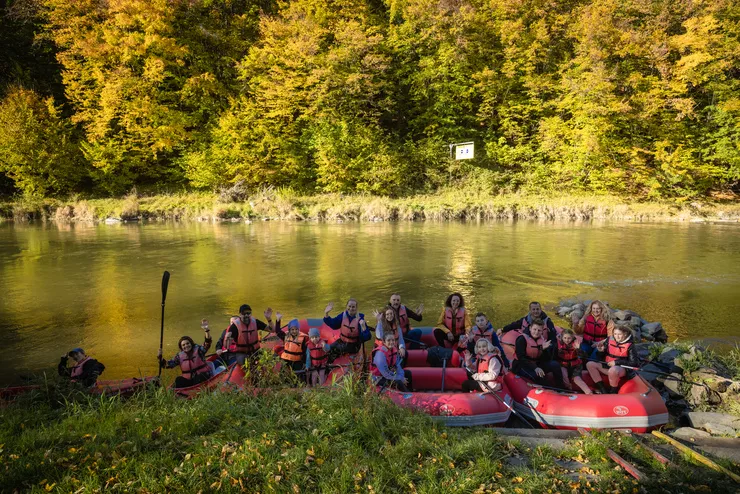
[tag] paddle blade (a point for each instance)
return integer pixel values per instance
(165, 282)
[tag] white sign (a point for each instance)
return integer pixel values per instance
(464, 151)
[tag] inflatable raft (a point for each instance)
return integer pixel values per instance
(110, 387)
(450, 406)
(637, 406)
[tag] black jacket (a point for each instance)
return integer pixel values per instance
(90, 371)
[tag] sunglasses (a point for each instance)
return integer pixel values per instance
(246, 314)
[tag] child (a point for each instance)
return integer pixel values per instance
(489, 368)
(483, 329)
(387, 323)
(294, 346)
(617, 351)
(317, 351)
(569, 360)
(387, 369)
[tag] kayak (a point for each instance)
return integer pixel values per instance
(120, 387)
(231, 377)
(637, 406)
(448, 404)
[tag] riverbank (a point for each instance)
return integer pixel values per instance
(239, 205)
(347, 439)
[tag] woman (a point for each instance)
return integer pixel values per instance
(192, 361)
(617, 351)
(453, 322)
(489, 368)
(596, 326)
(86, 369)
(389, 324)
(386, 370)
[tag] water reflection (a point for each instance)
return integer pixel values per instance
(98, 286)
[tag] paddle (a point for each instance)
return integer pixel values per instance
(444, 372)
(637, 369)
(493, 393)
(420, 343)
(165, 283)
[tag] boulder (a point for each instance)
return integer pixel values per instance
(643, 350)
(621, 314)
(701, 419)
(635, 322)
(649, 373)
(668, 355)
(563, 311)
(674, 387)
(689, 434)
(647, 337)
(720, 430)
(579, 308)
(699, 395)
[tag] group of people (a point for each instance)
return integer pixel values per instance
(539, 350)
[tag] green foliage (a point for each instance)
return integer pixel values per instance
(36, 147)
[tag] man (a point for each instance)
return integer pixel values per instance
(403, 314)
(535, 312)
(352, 327)
(533, 358)
(86, 369)
(241, 339)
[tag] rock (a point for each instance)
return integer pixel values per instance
(635, 322)
(647, 337)
(563, 311)
(715, 382)
(689, 434)
(720, 430)
(668, 355)
(674, 387)
(621, 314)
(579, 308)
(699, 395)
(649, 373)
(701, 419)
(643, 350)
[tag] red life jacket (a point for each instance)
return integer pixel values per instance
(391, 357)
(350, 331)
(379, 342)
(593, 330)
(318, 355)
(192, 364)
(77, 369)
(568, 354)
(483, 367)
(455, 324)
(534, 347)
(249, 338)
(617, 350)
(403, 319)
(486, 334)
(545, 329)
(293, 348)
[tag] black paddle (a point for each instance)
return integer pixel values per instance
(165, 283)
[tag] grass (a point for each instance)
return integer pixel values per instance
(345, 439)
(286, 204)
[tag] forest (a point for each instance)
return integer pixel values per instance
(637, 98)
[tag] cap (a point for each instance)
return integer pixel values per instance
(293, 323)
(76, 350)
(314, 332)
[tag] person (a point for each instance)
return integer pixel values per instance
(533, 360)
(488, 365)
(86, 369)
(617, 351)
(192, 361)
(483, 329)
(352, 329)
(317, 353)
(295, 344)
(412, 337)
(387, 323)
(453, 322)
(571, 363)
(241, 340)
(387, 370)
(535, 312)
(596, 325)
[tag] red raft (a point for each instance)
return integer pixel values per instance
(451, 406)
(111, 387)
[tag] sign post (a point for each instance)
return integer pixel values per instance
(463, 150)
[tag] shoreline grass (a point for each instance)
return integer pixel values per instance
(284, 204)
(345, 439)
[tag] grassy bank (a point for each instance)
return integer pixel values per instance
(286, 205)
(341, 440)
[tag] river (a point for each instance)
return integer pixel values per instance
(98, 287)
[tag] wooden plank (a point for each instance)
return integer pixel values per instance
(698, 457)
(628, 467)
(640, 444)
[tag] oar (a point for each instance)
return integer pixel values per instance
(637, 369)
(165, 283)
(698, 457)
(511, 408)
(444, 371)
(420, 343)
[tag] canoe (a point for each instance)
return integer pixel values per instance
(109, 387)
(637, 406)
(226, 378)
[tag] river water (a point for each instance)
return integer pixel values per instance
(98, 287)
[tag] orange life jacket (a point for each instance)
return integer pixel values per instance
(350, 331)
(249, 338)
(486, 334)
(617, 350)
(545, 329)
(593, 330)
(455, 324)
(534, 347)
(483, 366)
(192, 364)
(391, 358)
(403, 319)
(379, 342)
(293, 348)
(77, 369)
(318, 355)
(568, 354)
